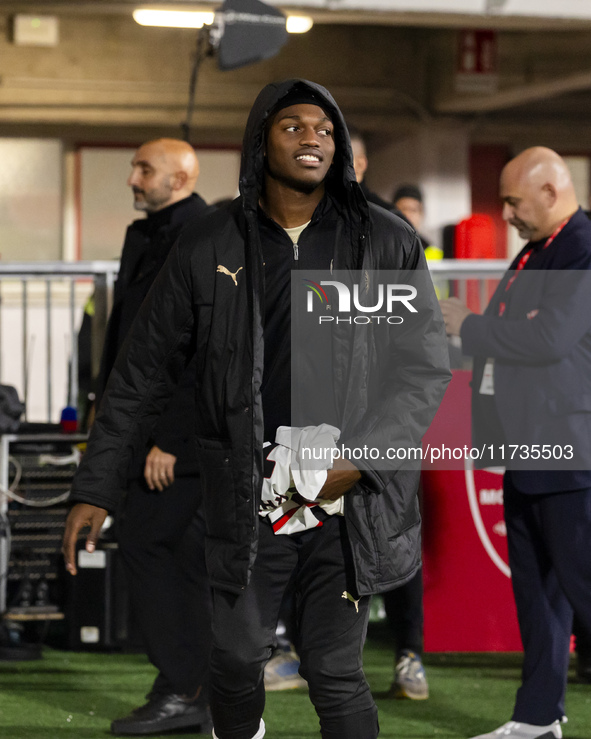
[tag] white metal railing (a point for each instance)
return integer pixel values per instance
(457, 269)
(41, 310)
(42, 305)
(471, 280)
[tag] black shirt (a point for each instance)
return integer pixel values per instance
(312, 405)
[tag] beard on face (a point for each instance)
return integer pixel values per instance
(139, 204)
(523, 229)
(154, 199)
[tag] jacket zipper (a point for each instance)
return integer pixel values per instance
(296, 252)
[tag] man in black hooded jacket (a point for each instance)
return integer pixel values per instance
(160, 527)
(228, 300)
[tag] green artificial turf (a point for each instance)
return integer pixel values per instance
(76, 695)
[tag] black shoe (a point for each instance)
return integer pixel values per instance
(164, 713)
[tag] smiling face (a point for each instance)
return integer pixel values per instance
(300, 147)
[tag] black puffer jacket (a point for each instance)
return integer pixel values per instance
(387, 389)
(147, 244)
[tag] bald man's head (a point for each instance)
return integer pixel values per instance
(163, 172)
(537, 193)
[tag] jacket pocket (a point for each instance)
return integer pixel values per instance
(219, 491)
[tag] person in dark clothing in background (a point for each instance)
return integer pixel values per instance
(531, 390)
(360, 165)
(582, 636)
(404, 605)
(225, 294)
(408, 199)
(160, 527)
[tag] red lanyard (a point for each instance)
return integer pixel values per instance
(523, 261)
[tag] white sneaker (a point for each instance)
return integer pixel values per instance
(259, 735)
(517, 730)
(410, 680)
(281, 672)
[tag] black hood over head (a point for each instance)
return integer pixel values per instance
(340, 181)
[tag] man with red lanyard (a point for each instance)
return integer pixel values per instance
(531, 402)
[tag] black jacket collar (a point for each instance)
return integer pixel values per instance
(172, 215)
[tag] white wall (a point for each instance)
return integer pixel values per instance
(580, 170)
(437, 160)
(106, 202)
(30, 199)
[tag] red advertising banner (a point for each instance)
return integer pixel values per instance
(468, 598)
